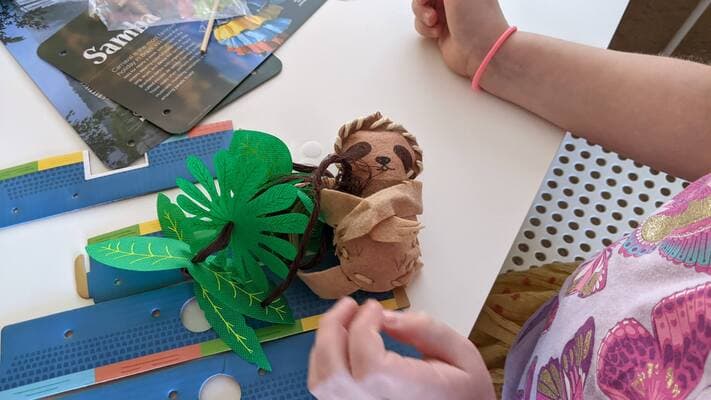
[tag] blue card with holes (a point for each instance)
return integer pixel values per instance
(289, 357)
(64, 183)
(139, 334)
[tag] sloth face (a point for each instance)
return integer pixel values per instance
(380, 155)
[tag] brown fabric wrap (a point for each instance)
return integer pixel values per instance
(376, 240)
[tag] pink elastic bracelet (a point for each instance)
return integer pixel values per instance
(490, 55)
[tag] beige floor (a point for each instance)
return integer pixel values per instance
(648, 25)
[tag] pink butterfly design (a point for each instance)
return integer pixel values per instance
(591, 276)
(680, 231)
(634, 364)
(564, 378)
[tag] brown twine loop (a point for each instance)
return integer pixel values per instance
(345, 181)
(220, 243)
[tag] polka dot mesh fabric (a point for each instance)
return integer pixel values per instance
(589, 198)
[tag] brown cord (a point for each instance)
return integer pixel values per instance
(317, 181)
(220, 243)
(344, 181)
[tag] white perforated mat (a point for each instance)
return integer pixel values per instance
(589, 198)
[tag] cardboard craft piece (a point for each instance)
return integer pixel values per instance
(115, 135)
(100, 282)
(64, 183)
(376, 229)
(286, 381)
(129, 336)
(245, 210)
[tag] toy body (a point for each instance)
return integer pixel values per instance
(375, 233)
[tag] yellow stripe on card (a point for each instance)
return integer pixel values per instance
(148, 227)
(390, 304)
(310, 323)
(59, 161)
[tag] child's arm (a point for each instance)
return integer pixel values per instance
(652, 109)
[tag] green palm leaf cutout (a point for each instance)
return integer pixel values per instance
(232, 328)
(190, 207)
(276, 198)
(242, 297)
(202, 174)
(306, 201)
(278, 245)
(142, 253)
(199, 233)
(171, 217)
(225, 171)
(263, 148)
(253, 271)
(195, 194)
(274, 263)
(249, 176)
(284, 223)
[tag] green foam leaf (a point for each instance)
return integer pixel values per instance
(194, 192)
(306, 201)
(191, 207)
(280, 246)
(140, 253)
(284, 223)
(276, 198)
(232, 328)
(265, 149)
(171, 218)
(243, 298)
(202, 174)
(274, 263)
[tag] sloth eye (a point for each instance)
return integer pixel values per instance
(358, 151)
(404, 155)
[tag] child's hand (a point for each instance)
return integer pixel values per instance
(464, 29)
(349, 359)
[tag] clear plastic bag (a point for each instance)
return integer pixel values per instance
(31, 5)
(120, 14)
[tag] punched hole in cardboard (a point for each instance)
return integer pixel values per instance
(193, 318)
(220, 387)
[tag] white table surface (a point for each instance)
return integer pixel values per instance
(484, 158)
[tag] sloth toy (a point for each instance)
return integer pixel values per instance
(372, 205)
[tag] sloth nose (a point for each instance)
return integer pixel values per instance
(382, 160)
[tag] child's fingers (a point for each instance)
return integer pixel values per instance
(432, 338)
(425, 12)
(429, 17)
(329, 354)
(366, 349)
(426, 31)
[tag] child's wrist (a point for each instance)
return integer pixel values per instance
(480, 48)
(492, 53)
